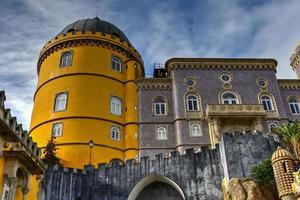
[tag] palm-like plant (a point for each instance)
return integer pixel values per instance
(290, 135)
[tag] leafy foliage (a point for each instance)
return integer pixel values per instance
(263, 173)
(49, 152)
(290, 135)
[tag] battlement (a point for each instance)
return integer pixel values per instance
(88, 38)
(17, 142)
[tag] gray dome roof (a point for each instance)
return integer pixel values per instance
(96, 25)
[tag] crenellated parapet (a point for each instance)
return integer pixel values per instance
(16, 141)
(192, 174)
(154, 84)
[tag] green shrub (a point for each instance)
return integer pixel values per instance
(263, 173)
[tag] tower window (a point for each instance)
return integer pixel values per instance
(294, 107)
(66, 59)
(229, 98)
(267, 103)
(196, 130)
(192, 103)
(115, 106)
(57, 129)
(60, 102)
(116, 64)
(160, 106)
(161, 133)
(115, 133)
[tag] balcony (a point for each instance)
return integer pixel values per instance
(235, 110)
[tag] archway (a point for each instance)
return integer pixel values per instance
(154, 186)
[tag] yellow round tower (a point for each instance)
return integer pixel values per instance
(86, 95)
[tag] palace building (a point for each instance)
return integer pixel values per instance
(199, 115)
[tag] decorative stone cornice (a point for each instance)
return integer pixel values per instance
(235, 110)
(221, 63)
(295, 58)
(89, 39)
(154, 84)
(13, 133)
(289, 84)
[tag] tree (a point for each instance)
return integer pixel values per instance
(49, 152)
(263, 173)
(290, 135)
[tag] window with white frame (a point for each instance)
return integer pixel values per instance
(160, 106)
(60, 102)
(266, 102)
(115, 106)
(66, 59)
(196, 130)
(192, 103)
(116, 64)
(161, 133)
(229, 98)
(115, 133)
(57, 129)
(294, 107)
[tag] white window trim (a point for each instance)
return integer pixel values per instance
(294, 104)
(59, 104)
(116, 63)
(266, 100)
(160, 104)
(157, 133)
(200, 129)
(66, 60)
(118, 132)
(230, 100)
(193, 103)
(54, 134)
(116, 106)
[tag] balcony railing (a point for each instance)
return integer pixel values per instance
(235, 110)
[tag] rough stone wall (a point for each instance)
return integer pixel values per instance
(199, 175)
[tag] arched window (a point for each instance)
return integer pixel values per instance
(192, 103)
(57, 129)
(161, 133)
(294, 106)
(115, 106)
(266, 102)
(66, 59)
(116, 64)
(229, 98)
(60, 102)
(159, 106)
(115, 133)
(196, 130)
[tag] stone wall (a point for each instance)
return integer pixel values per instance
(198, 175)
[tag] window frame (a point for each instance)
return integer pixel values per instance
(158, 133)
(113, 136)
(113, 106)
(199, 128)
(53, 132)
(296, 107)
(195, 104)
(269, 103)
(230, 100)
(55, 109)
(69, 61)
(116, 63)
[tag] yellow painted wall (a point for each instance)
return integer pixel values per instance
(90, 83)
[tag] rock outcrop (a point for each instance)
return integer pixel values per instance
(246, 189)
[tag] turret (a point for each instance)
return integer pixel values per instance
(295, 60)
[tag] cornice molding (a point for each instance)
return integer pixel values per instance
(154, 84)
(221, 63)
(289, 84)
(88, 39)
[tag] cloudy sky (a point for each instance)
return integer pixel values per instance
(159, 29)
